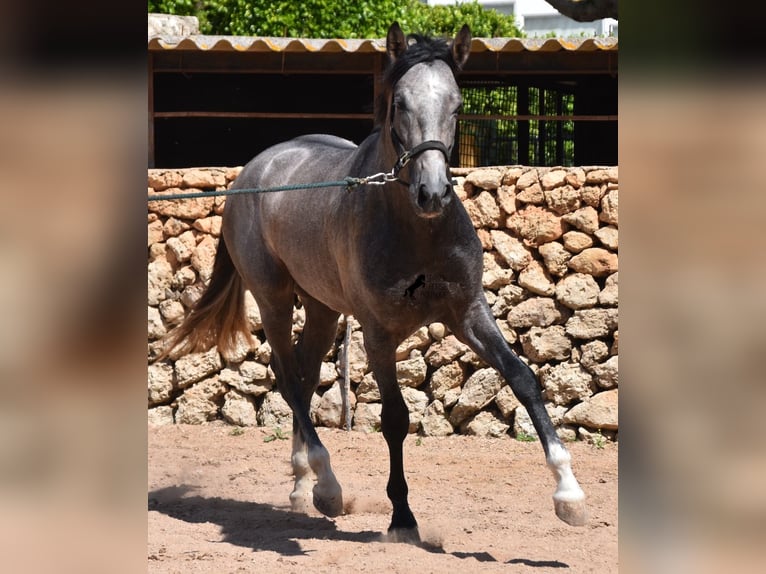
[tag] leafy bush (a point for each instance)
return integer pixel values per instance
(336, 18)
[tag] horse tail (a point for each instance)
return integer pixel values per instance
(218, 317)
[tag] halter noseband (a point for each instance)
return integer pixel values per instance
(405, 155)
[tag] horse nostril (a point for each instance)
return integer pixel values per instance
(447, 189)
(422, 194)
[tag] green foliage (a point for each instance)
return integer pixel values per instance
(336, 18)
(277, 434)
(524, 437)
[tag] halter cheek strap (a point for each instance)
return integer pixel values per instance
(406, 155)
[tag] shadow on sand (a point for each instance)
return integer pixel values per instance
(264, 527)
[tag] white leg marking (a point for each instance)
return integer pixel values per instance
(569, 499)
(300, 497)
(328, 496)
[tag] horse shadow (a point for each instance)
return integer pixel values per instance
(260, 526)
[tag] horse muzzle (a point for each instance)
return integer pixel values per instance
(431, 197)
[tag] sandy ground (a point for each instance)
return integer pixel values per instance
(218, 502)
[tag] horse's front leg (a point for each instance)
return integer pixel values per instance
(480, 332)
(381, 353)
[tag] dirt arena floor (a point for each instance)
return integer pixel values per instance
(218, 502)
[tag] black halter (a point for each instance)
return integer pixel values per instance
(406, 155)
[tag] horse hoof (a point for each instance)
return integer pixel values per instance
(571, 512)
(300, 502)
(404, 535)
(331, 505)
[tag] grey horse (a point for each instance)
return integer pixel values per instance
(396, 256)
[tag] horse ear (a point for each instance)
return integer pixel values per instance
(396, 43)
(461, 46)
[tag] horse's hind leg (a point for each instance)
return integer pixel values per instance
(479, 331)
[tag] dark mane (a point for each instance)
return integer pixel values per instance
(420, 49)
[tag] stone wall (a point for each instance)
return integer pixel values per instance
(550, 275)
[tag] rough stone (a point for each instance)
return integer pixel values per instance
(160, 379)
(555, 257)
(275, 412)
(608, 236)
(434, 421)
(511, 175)
(485, 424)
(534, 278)
(328, 374)
(595, 261)
(367, 417)
(599, 176)
(553, 178)
(592, 353)
(329, 409)
(367, 391)
(412, 372)
(522, 424)
(577, 291)
(478, 391)
(546, 344)
(609, 296)
(610, 208)
(598, 412)
(584, 219)
(566, 382)
(159, 277)
(174, 227)
(154, 232)
(211, 225)
(418, 340)
(488, 179)
(536, 312)
(184, 277)
(357, 357)
(592, 194)
(507, 297)
(536, 225)
(576, 241)
(513, 251)
(606, 374)
(203, 257)
(253, 312)
(445, 351)
(437, 331)
(483, 211)
(181, 208)
(239, 409)
(506, 199)
(532, 195)
(562, 200)
(416, 402)
(591, 323)
(204, 178)
(506, 402)
(156, 329)
(196, 366)
(446, 377)
(199, 403)
(527, 179)
(161, 179)
(172, 311)
(182, 246)
(160, 416)
(253, 379)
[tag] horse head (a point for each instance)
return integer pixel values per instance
(423, 105)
